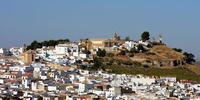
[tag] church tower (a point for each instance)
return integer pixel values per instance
(23, 48)
(115, 36)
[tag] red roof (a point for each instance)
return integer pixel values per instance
(26, 74)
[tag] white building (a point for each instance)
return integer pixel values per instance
(1, 81)
(142, 80)
(52, 87)
(5, 52)
(115, 91)
(84, 87)
(145, 43)
(25, 83)
(68, 97)
(34, 86)
(130, 44)
(61, 50)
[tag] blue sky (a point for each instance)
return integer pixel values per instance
(22, 21)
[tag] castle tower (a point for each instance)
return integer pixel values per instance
(160, 38)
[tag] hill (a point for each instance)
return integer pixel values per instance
(165, 52)
(160, 60)
(160, 56)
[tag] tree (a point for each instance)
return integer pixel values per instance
(127, 38)
(189, 57)
(140, 47)
(28, 47)
(122, 52)
(110, 54)
(40, 98)
(118, 38)
(145, 36)
(101, 53)
(134, 50)
(39, 45)
(52, 43)
(177, 50)
(45, 43)
(97, 62)
(34, 45)
(86, 51)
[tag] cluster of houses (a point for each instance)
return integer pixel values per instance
(52, 81)
(76, 49)
(51, 73)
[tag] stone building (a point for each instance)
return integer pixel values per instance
(28, 57)
(95, 43)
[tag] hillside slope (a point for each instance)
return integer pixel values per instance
(160, 56)
(165, 52)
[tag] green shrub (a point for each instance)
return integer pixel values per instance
(145, 66)
(127, 63)
(150, 53)
(110, 54)
(122, 52)
(148, 61)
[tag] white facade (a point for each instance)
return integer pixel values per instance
(84, 87)
(25, 83)
(115, 91)
(61, 50)
(143, 80)
(83, 55)
(72, 77)
(43, 77)
(15, 51)
(168, 78)
(70, 98)
(14, 68)
(34, 86)
(2, 50)
(143, 43)
(1, 81)
(52, 88)
(130, 44)
(5, 52)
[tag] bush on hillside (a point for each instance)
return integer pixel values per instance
(122, 52)
(110, 54)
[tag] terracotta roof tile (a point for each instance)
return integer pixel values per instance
(26, 74)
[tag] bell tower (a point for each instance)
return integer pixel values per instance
(115, 36)
(23, 48)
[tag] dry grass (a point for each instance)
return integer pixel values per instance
(162, 52)
(166, 53)
(193, 68)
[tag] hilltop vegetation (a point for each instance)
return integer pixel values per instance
(180, 73)
(35, 44)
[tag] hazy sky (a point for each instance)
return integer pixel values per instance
(22, 21)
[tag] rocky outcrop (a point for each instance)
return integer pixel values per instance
(173, 63)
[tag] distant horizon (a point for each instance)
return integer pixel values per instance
(25, 21)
